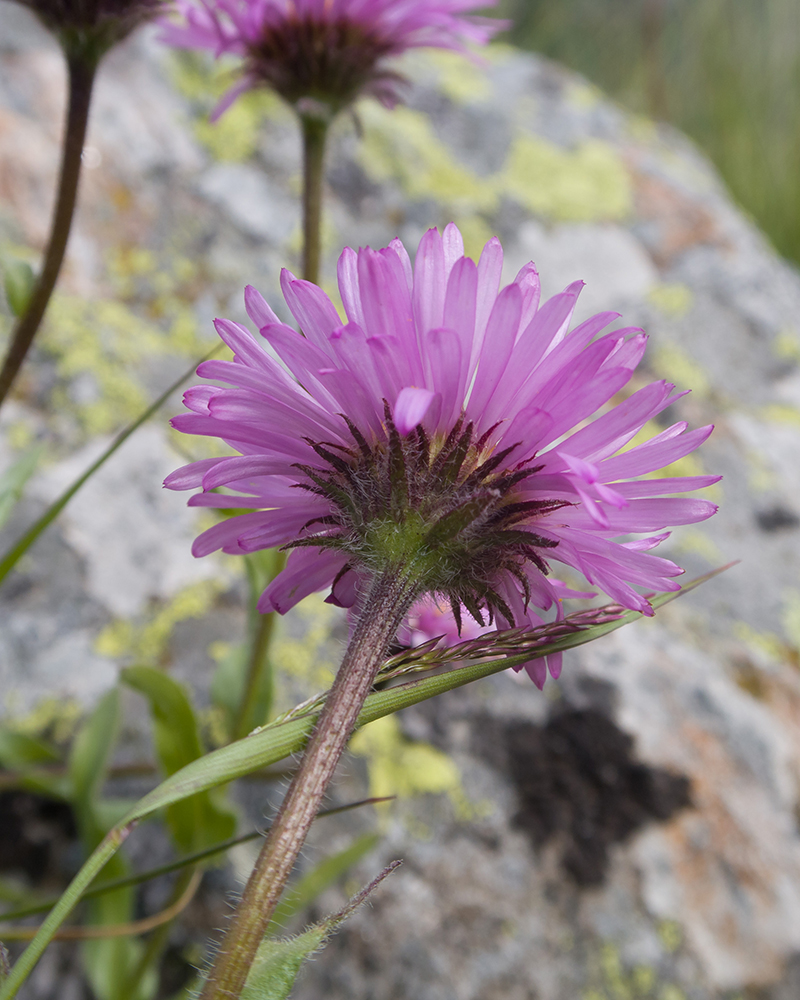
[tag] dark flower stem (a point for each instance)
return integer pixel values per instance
(385, 604)
(315, 132)
(81, 73)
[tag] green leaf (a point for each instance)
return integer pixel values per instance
(199, 820)
(272, 744)
(88, 763)
(19, 282)
(277, 962)
(19, 751)
(107, 962)
(18, 550)
(12, 481)
(243, 683)
(325, 874)
(29, 758)
(282, 738)
(175, 730)
(150, 873)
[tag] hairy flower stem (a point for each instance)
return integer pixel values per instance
(315, 132)
(389, 597)
(81, 73)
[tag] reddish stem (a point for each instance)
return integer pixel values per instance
(81, 73)
(389, 598)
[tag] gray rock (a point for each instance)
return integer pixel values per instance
(700, 902)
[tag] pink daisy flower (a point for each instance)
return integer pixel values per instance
(326, 51)
(429, 619)
(93, 28)
(443, 427)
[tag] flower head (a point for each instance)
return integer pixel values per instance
(88, 28)
(430, 619)
(444, 429)
(324, 51)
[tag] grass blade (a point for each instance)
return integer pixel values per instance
(15, 553)
(277, 741)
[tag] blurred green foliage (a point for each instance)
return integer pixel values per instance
(727, 72)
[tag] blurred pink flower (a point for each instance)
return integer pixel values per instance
(446, 423)
(429, 618)
(324, 51)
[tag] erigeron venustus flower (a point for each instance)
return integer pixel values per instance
(325, 51)
(429, 619)
(442, 427)
(91, 27)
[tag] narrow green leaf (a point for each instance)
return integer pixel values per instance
(325, 874)
(19, 751)
(279, 739)
(95, 864)
(109, 962)
(15, 553)
(277, 962)
(106, 962)
(198, 820)
(88, 762)
(243, 683)
(272, 744)
(12, 481)
(175, 730)
(173, 866)
(19, 282)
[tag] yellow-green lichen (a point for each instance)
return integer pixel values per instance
(615, 981)
(102, 347)
(403, 768)
(696, 542)
(670, 934)
(401, 145)
(581, 94)
(457, 77)
(610, 979)
(673, 300)
(761, 477)
(235, 135)
(19, 435)
(790, 617)
(148, 641)
(781, 413)
(673, 363)
(589, 183)
(310, 659)
(787, 345)
(53, 718)
(101, 341)
(762, 645)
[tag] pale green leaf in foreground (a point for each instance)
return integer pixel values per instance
(18, 283)
(200, 820)
(12, 482)
(278, 740)
(278, 960)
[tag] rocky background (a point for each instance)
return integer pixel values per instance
(633, 831)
